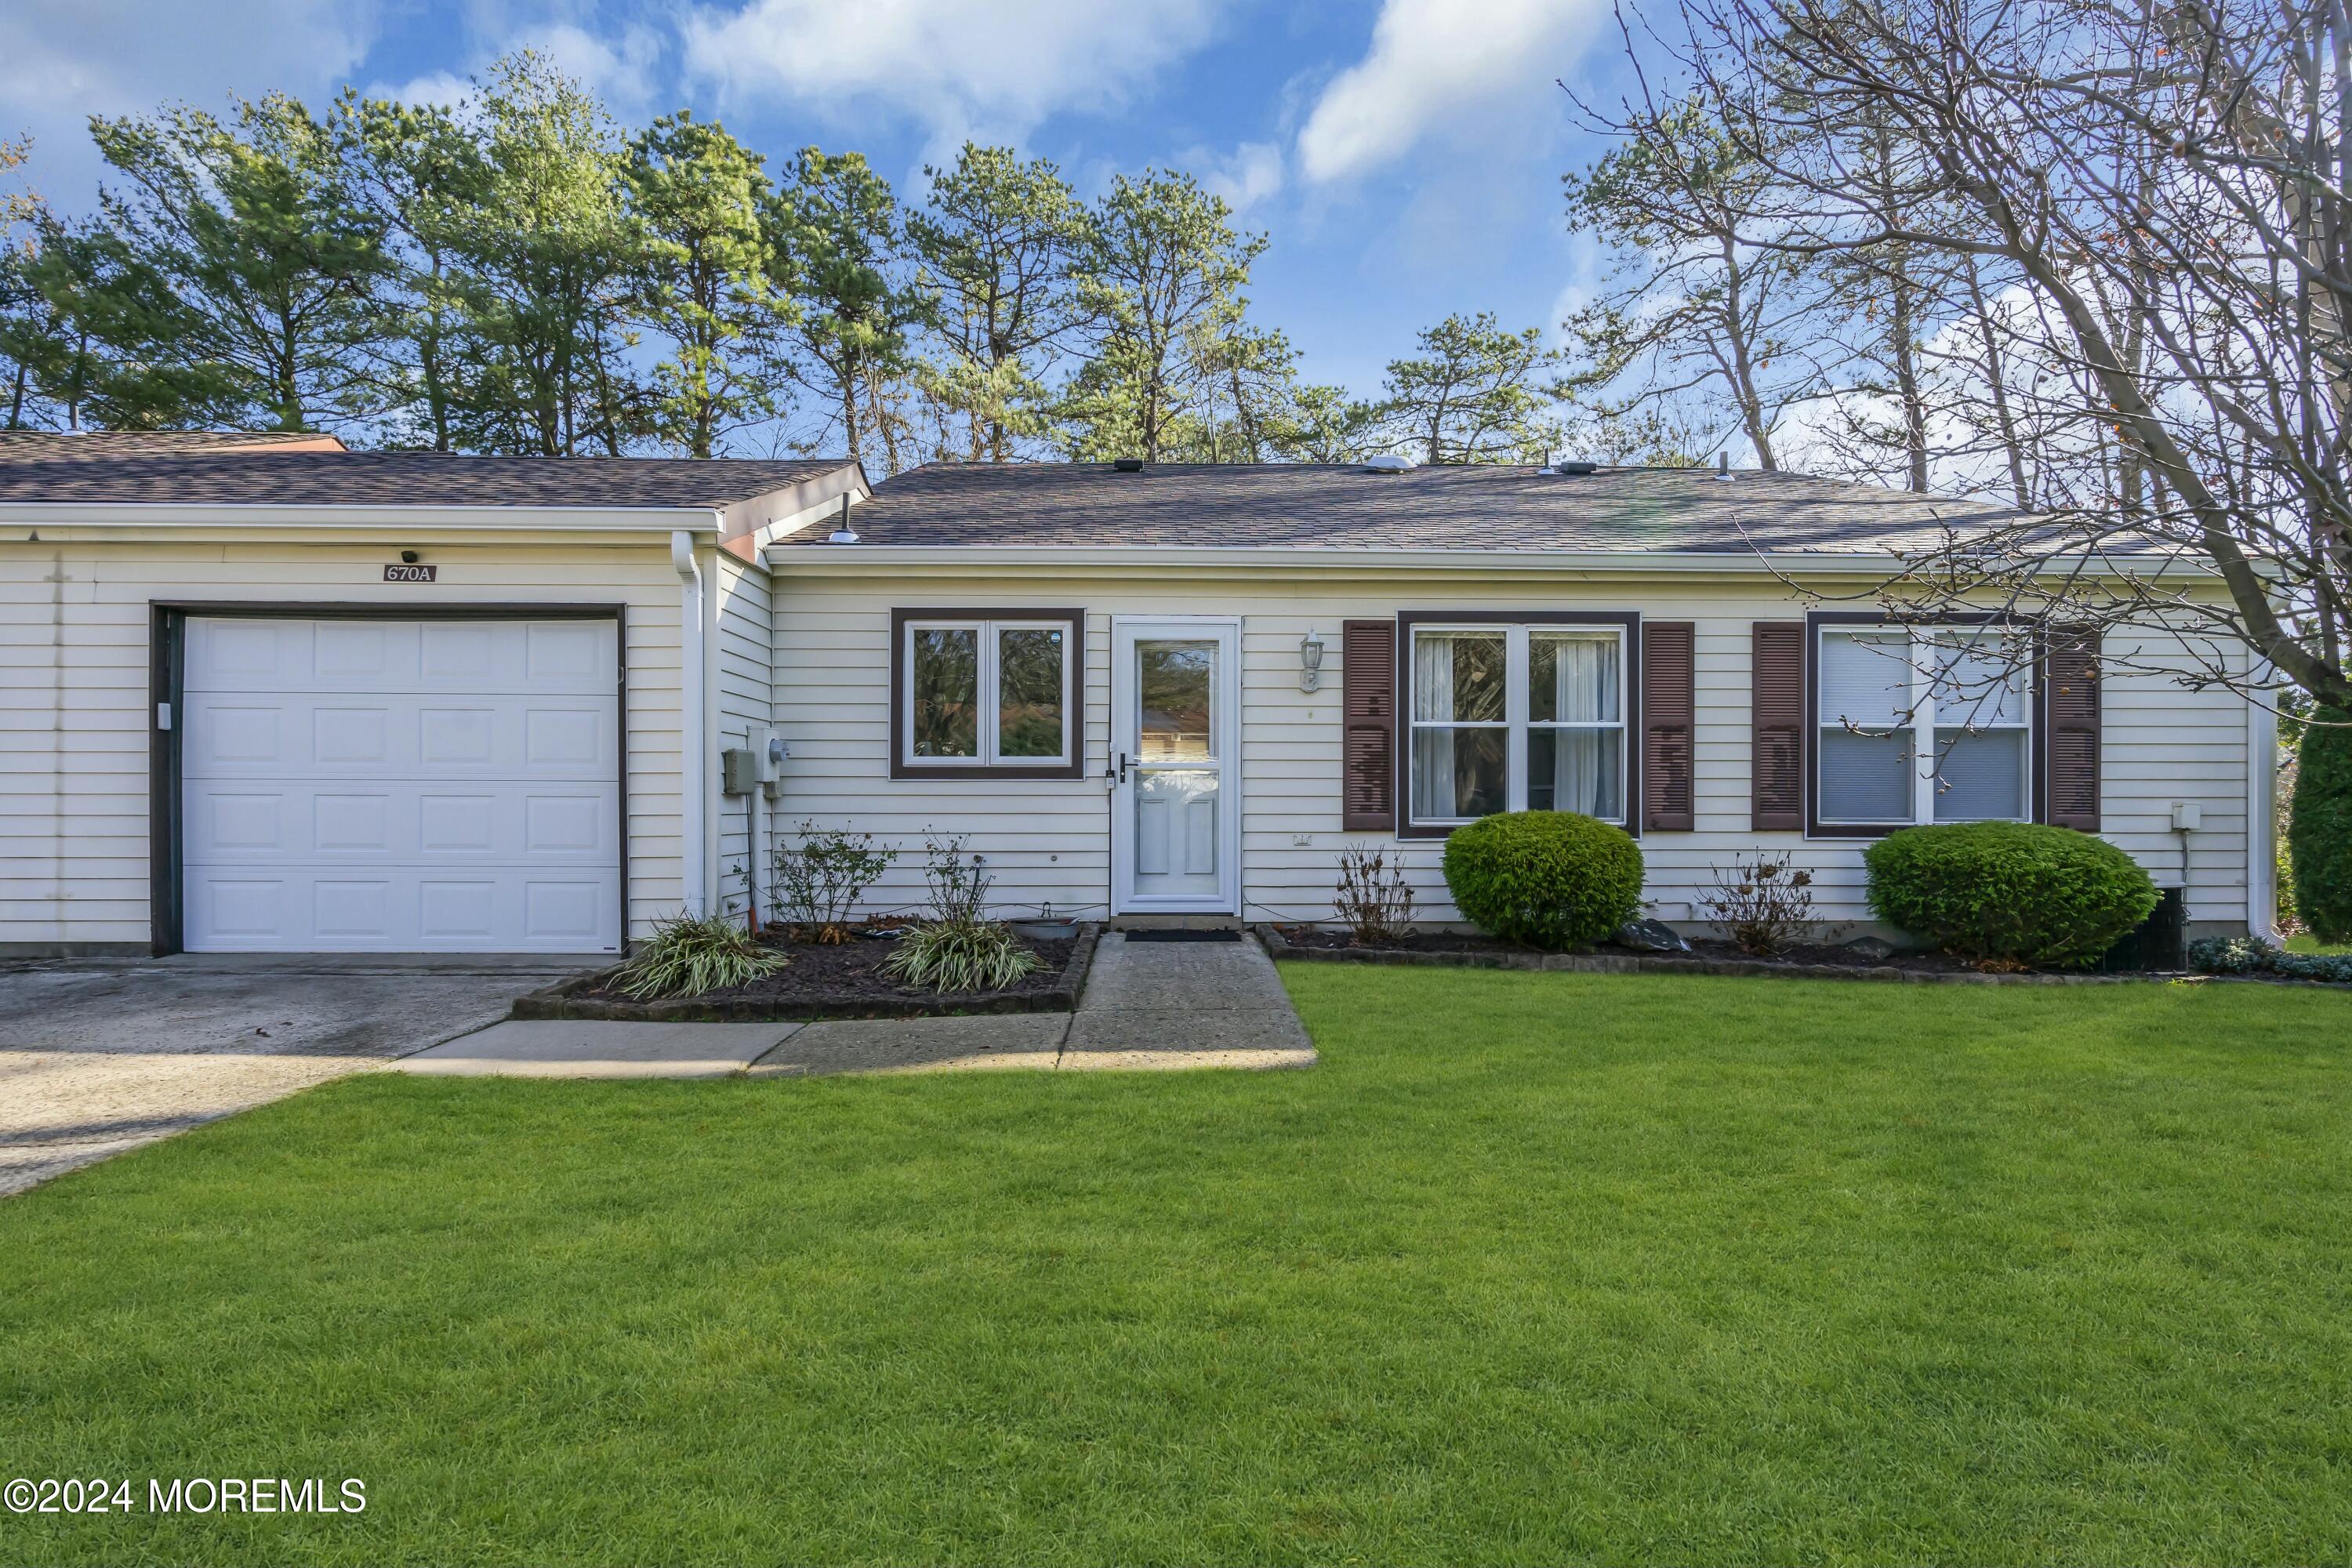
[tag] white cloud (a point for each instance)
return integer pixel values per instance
(957, 65)
(1250, 174)
(625, 69)
(1437, 67)
(64, 60)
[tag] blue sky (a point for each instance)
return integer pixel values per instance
(1403, 155)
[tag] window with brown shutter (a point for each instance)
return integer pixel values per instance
(1367, 722)
(1669, 704)
(1777, 713)
(2071, 678)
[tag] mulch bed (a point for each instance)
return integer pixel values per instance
(830, 980)
(1810, 961)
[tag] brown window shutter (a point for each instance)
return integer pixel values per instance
(1669, 711)
(2071, 744)
(1367, 740)
(1777, 713)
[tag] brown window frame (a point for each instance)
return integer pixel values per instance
(1628, 621)
(1074, 716)
(2037, 705)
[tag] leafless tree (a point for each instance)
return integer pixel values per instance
(2140, 215)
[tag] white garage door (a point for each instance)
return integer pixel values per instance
(401, 787)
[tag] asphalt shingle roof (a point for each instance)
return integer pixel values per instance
(16, 446)
(1315, 505)
(248, 478)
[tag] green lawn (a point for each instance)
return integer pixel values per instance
(2308, 943)
(1533, 1267)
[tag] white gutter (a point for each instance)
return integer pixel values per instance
(814, 558)
(116, 518)
(694, 734)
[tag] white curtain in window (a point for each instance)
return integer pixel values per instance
(1574, 678)
(1432, 750)
(1584, 680)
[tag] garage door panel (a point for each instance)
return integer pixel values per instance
(503, 826)
(402, 785)
(489, 738)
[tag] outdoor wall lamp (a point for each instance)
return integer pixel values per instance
(1310, 662)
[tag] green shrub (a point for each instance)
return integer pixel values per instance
(2319, 834)
(1548, 878)
(2009, 892)
(961, 955)
(2249, 956)
(688, 957)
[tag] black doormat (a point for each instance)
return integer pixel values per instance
(1183, 936)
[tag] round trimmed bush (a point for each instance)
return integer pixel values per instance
(2319, 830)
(1548, 878)
(2015, 892)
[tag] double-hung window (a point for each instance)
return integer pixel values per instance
(1516, 717)
(1923, 724)
(987, 692)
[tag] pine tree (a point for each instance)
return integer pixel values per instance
(1000, 240)
(265, 251)
(704, 285)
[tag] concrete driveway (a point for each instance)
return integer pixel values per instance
(98, 1056)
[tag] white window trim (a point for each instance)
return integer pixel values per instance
(1515, 723)
(1926, 767)
(987, 694)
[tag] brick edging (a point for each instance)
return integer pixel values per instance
(1635, 963)
(565, 1001)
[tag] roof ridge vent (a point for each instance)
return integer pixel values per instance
(1566, 467)
(1128, 465)
(1388, 463)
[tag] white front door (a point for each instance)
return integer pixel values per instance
(1175, 748)
(401, 787)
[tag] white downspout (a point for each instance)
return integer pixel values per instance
(2261, 798)
(693, 739)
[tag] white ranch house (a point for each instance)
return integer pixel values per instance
(259, 697)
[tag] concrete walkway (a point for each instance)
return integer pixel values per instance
(1147, 1006)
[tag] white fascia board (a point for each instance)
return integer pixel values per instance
(835, 560)
(107, 518)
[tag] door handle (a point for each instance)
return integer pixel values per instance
(1116, 770)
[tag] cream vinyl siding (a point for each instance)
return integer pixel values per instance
(746, 684)
(1049, 840)
(75, 722)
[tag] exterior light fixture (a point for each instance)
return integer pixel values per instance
(1310, 662)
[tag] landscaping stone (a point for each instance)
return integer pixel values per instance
(1661, 964)
(1871, 949)
(1649, 936)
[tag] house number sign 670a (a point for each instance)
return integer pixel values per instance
(410, 573)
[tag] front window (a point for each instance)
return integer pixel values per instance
(1930, 724)
(1517, 719)
(987, 692)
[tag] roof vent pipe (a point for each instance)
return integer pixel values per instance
(1723, 465)
(842, 533)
